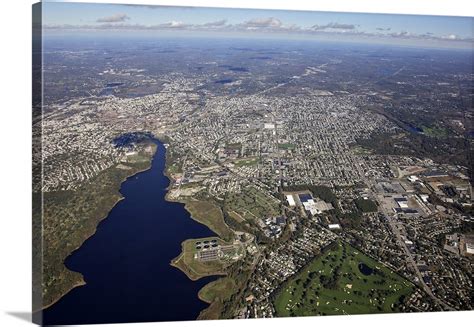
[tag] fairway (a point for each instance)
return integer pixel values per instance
(341, 281)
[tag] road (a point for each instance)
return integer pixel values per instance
(392, 222)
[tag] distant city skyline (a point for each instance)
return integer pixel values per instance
(423, 30)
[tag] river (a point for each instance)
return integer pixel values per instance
(126, 263)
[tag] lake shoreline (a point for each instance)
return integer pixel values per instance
(82, 282)
(166, 186)
(175, 261)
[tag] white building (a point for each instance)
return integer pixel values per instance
(291, 200)
(470, 248)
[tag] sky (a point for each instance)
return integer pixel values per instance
(445, 30)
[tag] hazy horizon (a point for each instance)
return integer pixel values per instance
(151, 21)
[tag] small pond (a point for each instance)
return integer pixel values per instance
(364, 269)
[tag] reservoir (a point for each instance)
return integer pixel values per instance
(126, 263)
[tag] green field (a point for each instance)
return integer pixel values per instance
(286, 146)
(220, 289)
(210, 215)
(246, 162)
(361, 150)
(366, 205)
(233, 146)
(435, 131)
(251, 204)
(333, 284)
(216, 293)
(173, 162)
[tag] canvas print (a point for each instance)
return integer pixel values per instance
(201, 163)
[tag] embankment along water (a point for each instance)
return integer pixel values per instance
(126, 263)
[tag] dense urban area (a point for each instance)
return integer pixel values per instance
(337, 177)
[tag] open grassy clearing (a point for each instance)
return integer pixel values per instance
(359, 150)
(233, 146)
(220, 289)
(342, 281)
(210, 215)
(216, 293)
(251, 204)
(366, 205)
(246, 162)
(286, 146)
(435, 131)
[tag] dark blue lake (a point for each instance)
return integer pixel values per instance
(126, 262)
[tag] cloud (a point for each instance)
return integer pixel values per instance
(157, 6)
(292, 27)
(173, 24)
(450, 37)
(117, 18)
(401, 34)
(257, 23)
(333, 26)
(218, 23)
